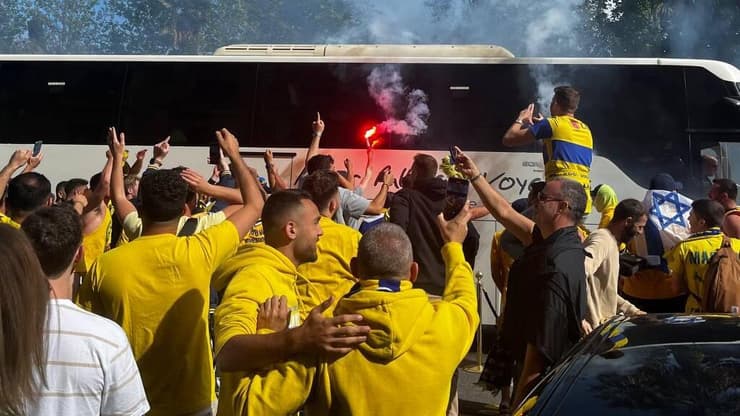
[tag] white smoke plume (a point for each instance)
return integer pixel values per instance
(406, 112)
(552, 29)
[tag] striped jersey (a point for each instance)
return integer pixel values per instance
(567, 151)
(90, 369)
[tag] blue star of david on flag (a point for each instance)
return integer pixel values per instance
(669, 209)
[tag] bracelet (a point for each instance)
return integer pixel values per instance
(475, 177)
(518, 121)
(316, 134)
(226, 172)
(389, 187)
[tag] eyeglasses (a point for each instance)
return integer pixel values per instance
(543, 197)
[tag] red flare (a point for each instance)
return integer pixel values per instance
(368, 134)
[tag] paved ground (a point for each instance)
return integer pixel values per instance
(473, 400)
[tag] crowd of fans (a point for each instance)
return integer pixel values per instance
(150, 294)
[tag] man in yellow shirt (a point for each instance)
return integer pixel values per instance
(689, 259)
(330, 274)
(26, 192)
(156, 287)
(246, 346)
(410, 335)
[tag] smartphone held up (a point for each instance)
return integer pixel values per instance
(456, 196)
(214, 154)
(37, 147)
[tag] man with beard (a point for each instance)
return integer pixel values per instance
(264, 281)
(602, 262)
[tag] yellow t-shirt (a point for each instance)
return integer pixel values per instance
(689, 260)
(4, 219)
(265, 273)
(157, 288)
(95, 243)
(330, 273)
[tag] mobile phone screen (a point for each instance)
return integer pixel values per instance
(37, 147)
(214, 154)
(455, 197)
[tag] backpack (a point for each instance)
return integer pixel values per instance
(722, 280)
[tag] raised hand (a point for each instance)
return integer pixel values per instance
(318, 125)
(273, 314)
(456, 229)
(19, 158)
(33, 162)
(197, 182)
(229, 143)
(268, 157)
(526, 114)
(331, 335)
(162, 149)
(141, 154)
(465, 164)
(116, 143)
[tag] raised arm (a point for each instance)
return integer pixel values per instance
(519, 134)
(378, 203)
(368, 170)
(499, 207)
(121, 205)
(33, 162)
(102, 189)
(245, 217)
(318, 129)
(17, 160)
(136, 168)
(273, 178)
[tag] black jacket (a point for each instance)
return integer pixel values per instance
(415, 210)
(546, 297)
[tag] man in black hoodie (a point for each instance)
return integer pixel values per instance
(415, 209)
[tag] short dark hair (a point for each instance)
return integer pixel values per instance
(60, 186)
(712, 212)
(27, 192)
(319, 162)
(95, 180)
(384, 252)
(56, 234)
(573, 193)
(425, 166)
(322, 186)
(727, 186)
(629, 208)
(279, 206)
(163, 193)
(72, 184)
(567, 98)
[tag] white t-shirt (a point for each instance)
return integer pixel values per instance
(90, 369)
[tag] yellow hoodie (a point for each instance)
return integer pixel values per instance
(406, 365)
(256, 273)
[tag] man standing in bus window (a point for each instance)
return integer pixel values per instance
(568, 145)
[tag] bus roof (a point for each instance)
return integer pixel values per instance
(442, 54)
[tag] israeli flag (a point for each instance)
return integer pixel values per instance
(668, 222)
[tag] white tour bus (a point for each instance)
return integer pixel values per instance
(646, 115)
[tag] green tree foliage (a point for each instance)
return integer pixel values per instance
(675, 28)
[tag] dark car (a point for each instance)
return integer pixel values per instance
(661, 364)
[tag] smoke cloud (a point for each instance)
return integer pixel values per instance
(406, 112)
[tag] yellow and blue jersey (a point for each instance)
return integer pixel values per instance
(568, 150)
(689, 260)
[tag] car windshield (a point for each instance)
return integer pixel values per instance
(662, 379)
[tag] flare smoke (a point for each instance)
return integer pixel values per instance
(406, 112)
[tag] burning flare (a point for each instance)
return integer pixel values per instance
(368, 134)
